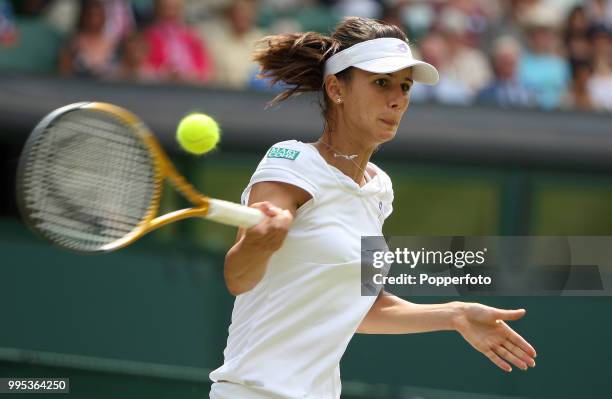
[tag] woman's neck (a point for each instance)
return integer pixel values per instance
(345, 154)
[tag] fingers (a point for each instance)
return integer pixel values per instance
(270, 233)
(505, 345)
(519, 341)
(498, 360)
(266, 207)
(515, 349)
(519, 354)
(516, 341)
(282, 220)
(271, 210)
(510, 314)
(507, 352)
(509, 356)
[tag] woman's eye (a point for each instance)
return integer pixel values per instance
(381, 82)
(405, 87)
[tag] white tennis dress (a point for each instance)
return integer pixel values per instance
(289, 332)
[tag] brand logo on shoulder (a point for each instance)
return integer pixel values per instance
(278, 152)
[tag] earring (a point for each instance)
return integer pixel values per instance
(338, 100)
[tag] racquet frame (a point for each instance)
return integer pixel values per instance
(164, 169)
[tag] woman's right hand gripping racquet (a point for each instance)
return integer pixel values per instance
(90, 179)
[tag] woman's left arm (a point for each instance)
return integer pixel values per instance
(481, 326)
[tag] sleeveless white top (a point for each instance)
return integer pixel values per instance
(289, 332)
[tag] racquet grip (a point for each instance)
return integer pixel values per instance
(233, 214)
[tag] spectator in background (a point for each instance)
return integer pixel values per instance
(509, 22)
(63, 14)
(577, 43)
(479, 14)
(88, 52)
(600, 84)
(120, 21)
(600, 37)
(434, 50)
(232, 40)
(416, 17)
(465, 63)
(133, 54)
(359, 8)
(176, 52)
(506, 90)
(578, 52)
(392, 14)
(8, 29)
(600, 12)
(541, 69)
(578, 95)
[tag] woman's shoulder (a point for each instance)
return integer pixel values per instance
(290, 143)
(295, 157)
(375, 170)
(290, 149)
(288, 162)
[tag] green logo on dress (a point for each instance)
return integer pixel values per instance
(278, 152)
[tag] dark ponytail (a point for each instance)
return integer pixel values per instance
(295, 59)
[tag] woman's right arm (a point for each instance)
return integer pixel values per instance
(246, 262)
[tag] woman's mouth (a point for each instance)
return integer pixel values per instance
(388, 122)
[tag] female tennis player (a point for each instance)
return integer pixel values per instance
(296, 275)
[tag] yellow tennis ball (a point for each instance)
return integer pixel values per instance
(198, 133)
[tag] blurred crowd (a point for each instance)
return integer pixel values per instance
(550, 54)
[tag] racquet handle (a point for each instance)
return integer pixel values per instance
(233, 214)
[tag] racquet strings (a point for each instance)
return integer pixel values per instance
(88, 180)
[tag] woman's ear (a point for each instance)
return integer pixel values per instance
(333, 88)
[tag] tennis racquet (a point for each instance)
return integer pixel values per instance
(90, 179)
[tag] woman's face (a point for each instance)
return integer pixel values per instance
(242, 15)
(169, 10)
(93, 18)
(373, 104)
(578, 21)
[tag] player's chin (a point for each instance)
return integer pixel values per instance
(386, 132)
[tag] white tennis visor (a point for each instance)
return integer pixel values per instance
(385, 55)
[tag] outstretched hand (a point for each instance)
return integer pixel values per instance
(484, 328)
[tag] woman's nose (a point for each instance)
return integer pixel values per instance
(398, 98)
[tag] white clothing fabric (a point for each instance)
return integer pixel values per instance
(230, 390)
(289, 332)
(600, 90)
